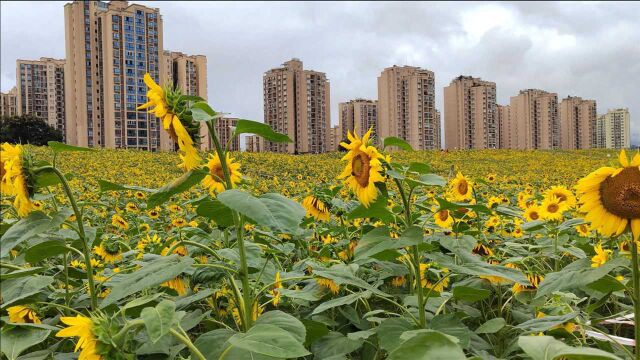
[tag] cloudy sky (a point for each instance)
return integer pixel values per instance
(582, 49)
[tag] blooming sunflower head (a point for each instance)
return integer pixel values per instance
(443, 219)
(461, 188)
(214, 181)
(316, 208)
(93, 333)
(20, 314)
(552, 208)
(363, 169)
(564, 195)
(17, 179)
(610, 197)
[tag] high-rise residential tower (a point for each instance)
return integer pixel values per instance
(613, 129)
(253, 143)
(470, 119)
(9, 103)
(109, 48)
(296, 103)
(189, 74)
(224, 129)
(41, 90)
(534, 120)
(336, 137)
(577, 123)
(406, 106)
(504, 124)
(360, 115)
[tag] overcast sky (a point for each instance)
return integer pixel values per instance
(582, 49)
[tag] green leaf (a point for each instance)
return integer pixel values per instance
(473, 265)
(159, 320)
(154, 273)
(428, 345)
(545, 323)
(606, 285)
(188, 300)
(261, 129)
(449, 324)
(548, 348)
(214, 210)
(420, 168)
(470, 294)
(271, 210)
(345, 300)
(334, 346)
(395, 141)
(27, 228)
(377, 209)
(211, 344)
(45, 250)
(389, 332)
(492, 326)
(343, 274)
(20, 288)
(269, 340)
(315, 330)
(20, 273)
(577, 274)
(183, 183)
(15, 340)
(429, 180)
(60, 147)
(109, 186)
(201, 111)
(378, 240)
(284, 321)
(139, 301)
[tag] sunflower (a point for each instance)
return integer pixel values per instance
(139, 195)
(552, 208)
(498, 280)
(532, 213)
(154, 214)
(398, 281)
(179, 222)
(443, 219)
(328, 284)
(109, 251)
(171, 123)
(491, 178)
(15, 179)
(119, 222)
(178, 284)
(21, 314)
(363, 167)
(275, 292)
(81, 327)
(534, 282)
(461, 188)
(563, 195)
(316, 208)
(601, 257)
(214, 181)
(131, 207)
(583, 230)
(144, 227)
(610, 197)
(435, 282)
(482, 250)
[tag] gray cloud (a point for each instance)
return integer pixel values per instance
(584, 49)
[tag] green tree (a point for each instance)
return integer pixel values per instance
(27, 129)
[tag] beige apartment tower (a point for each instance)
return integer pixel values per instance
(359, 115)
(224, 129)
(189, 74)
(253, 143)
(41, 90)
(406, 106)
(470, 119)
(296, 103)
(577, 123)
(9, 103)
(109, 48)
(613, 129)
(534, 120)
(503, 113)
(335, 134)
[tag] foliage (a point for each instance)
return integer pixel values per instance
(27, 129)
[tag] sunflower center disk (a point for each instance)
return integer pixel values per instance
(217, 173)
(463, 187)
(553, 208)
(360, 167)
(620, 194)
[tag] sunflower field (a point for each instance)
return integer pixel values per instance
(378, 252)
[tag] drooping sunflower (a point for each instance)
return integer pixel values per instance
(109, 250)
(482, 250)
(328, 284)
(610, 197)
(15, 180)
(552, 208)
(433, 277)
(363, 168)
(81, 327)
(214, 181)
(534, 282)
(564, 195)
(164, 109)
(316, 208)
(461, 188)
(22, 314)
(119, 222)
(179, 284)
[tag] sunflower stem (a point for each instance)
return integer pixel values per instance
(185, 340)
(635, 266)
(85, 245)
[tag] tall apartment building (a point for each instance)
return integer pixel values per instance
(296, 103)
(189, 74)
(503, 113)
(109, 48)
(253, 143)
(41, 90)
(224, 129)
(470, 119)
(577, 123)
(534, 120)
(406, 106)
(335, 134)
(360, 114)
(9, 103)
(613, 129)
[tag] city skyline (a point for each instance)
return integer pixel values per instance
(353, 76)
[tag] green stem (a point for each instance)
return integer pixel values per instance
(185, 340)
(67, 297)
(87, 250)
(635, 266)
